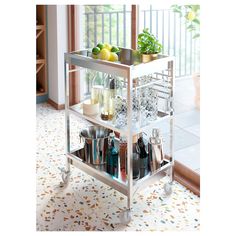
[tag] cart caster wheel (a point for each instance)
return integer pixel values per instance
(125, 217)
(168, 189)
(65, 175)
(65, 181)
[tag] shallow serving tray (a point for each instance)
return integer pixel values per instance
(129, 60)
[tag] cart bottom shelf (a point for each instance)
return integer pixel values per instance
(118, 182)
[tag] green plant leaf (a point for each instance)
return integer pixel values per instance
(197, 21)
(189, 7)
(195, 7)
(191, 27)
(175, 7)
(148, 43)
(196, 36)
(177, 10)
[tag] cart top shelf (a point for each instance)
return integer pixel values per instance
(128, 66)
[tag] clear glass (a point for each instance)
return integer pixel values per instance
(120, 116)
(144, 103)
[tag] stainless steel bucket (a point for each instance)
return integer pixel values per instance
(95, 144)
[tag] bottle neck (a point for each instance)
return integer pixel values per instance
(111, 139)
(107, 82)
(141, 148)
(112, 83)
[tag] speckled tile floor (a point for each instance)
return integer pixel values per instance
(89, 205)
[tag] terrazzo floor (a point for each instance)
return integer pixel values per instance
(89, 205)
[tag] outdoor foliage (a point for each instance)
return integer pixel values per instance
(192, 16)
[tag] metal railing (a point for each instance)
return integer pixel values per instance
(114, 27)
(171, 30)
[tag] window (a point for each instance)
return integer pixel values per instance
(103, 23)
(107, 23)
(172, 32)
(112, 24)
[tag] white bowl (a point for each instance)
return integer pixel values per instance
(89, 108)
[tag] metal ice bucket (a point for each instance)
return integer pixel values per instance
(95, 144)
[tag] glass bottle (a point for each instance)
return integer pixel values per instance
(114, 155)
(109, 159)
(112, 86)
(96, 91)
(136, 158)
(123, 151)
(108, 98)
(142, 150)
(136, 166)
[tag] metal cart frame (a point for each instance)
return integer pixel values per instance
(128, 69)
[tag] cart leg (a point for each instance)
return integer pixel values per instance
(170, 172)
(169, 185)
(171, 75)
(65, 172)
(125, 216)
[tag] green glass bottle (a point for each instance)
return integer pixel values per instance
(109, 159)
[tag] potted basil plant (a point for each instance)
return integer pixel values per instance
(148, 46)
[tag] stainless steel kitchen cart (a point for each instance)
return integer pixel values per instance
(129, 67)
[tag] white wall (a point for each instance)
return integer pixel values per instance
(57, 46)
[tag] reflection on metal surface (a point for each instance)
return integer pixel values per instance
(95, 144)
